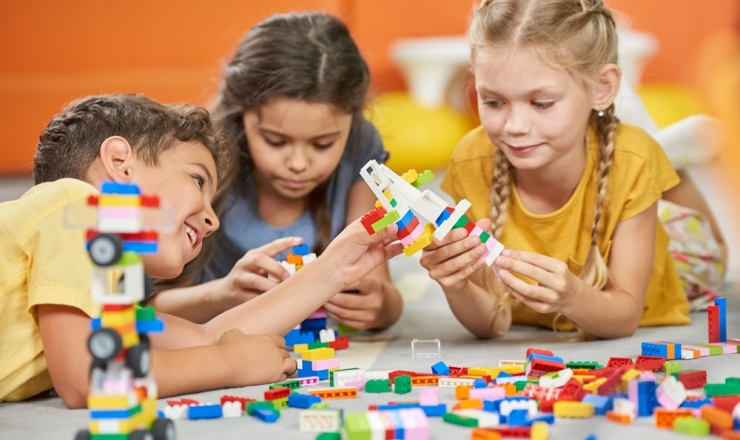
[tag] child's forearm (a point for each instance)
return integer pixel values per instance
(281, 308)
(477, 311)
(190, 370)
(392, 306)
(199, 303)
(605, 313)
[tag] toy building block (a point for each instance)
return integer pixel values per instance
(692, 379)
(231, 409)
(713, 323)
(425, 349)
(665, 418)
(304, 401)
(402, 385)
(721, 389)
(205, 411)
(619, 361)
(254, 406)
(671, 393)
(440, 368)
(691, 426)
(329, 436)
(578, 410)
(266, 415)
(651, 363)
(624, 419)
(334, 393)
(378, 386)
(425, 381)
(241, 400)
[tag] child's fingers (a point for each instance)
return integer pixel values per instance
(530, 291)
(253, 282)
(275, 247)
(289, 366)
(521, 267)
(279, 340)
(262, 263)
(392, 250)
(549, 264)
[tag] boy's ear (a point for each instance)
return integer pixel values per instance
(117, 159)
(607, 86)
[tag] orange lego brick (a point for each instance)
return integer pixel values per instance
(482, 434)
(462, 392)
(469, 404)
(425, 380)
(334, 393)
(716, 417)
(665, 418)
(624, 419)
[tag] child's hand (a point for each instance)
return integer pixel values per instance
(362, 309)
(255, 359)
(453, 260)
(556, 285)
(354, 253)
(248, 277)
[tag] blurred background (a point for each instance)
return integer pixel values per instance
(682, 57)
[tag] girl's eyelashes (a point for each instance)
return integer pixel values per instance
(324, 146)
(542, 105)
(492, 103)
(199, 181)
(274, 143)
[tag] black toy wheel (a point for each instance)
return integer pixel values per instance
(105, 249)
(138, 359)
(141, 435)
(163, 429)
(82, 435)
(104, 344)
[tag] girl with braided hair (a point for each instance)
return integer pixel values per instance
(553, 174)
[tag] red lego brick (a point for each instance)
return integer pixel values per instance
(92, 200)
(403, 233)
(150, 201)
(189, 402)
(243, 400)
(725, 403)
(394, 374)
(539, 367)
(603, 372)
(469, 226)
(731, 435)
(619, 361)
(572, 391)
(713, 323)
(650, 363)
(693, 379)
(340, 343)
(538, 351)
(372, 217)
(461, 371)
(612, 382)
(546, 405)
(510, 431)
(277, 393)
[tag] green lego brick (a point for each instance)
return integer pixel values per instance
(523, 383)
(129, 259)
(292, 384)
(280, 404)
(722, 389)
(732, 380)
(584, 365)
(484, 236)
(109, 436)
(402, 385)
(691, 426)
(357, 427)
(672, 367)
(146, 314)
(423, 178)
(345, 329)
(459, 420)
(316, 345)
(394, 203)
(329, 436)
(251, 406)
(461, 222)
(387, 220)
(378, 386)
(320, 405)
(713, 351)
(331, 374)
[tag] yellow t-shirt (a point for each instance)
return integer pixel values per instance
(41, 262)
(640, 174)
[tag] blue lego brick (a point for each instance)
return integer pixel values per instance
(213, 411)
(319, 323)
(519, 417)
(502, 374)
(721, 303)
(548, 418)
(602, 404)
(646, 401)
(160, 414)
(266, 415)
(398, 406)
(545, 358)
(140, 247)
(491, 405)
(653, 349)
(296, 336)
(150, 326)
(297, 400)
(434, 410)
(591, 437)
(119, 188)
(398, 423)
(698, 403)
(618, 396)
(99, 414)
(405, 220)
(736, 425)
(322, 374)
(442, 217)
(94, 324)
(480, 383)
(441, 368)
(301, 249)
(676, 349)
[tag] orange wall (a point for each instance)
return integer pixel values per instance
(53, 52)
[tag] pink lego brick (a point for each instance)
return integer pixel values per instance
(308, 381)
(476, 231)
(413, 236)
(703, 351)
(497, 393)
(357, 383)
(726, 348)
(325, 364)
(429, 397)
(119, 213)
(317, 315)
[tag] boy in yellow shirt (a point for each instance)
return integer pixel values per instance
(173, 152)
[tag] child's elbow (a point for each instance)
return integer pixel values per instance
(73, 397)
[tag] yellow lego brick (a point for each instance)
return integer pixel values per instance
(540, 431)
(575, 410)
(388, 195)
(626, 378)
(593, 387)
(149, 409)
(280, 403)
(582, 377)
(118, 201)
(99, 401)
(410, 176)
(300, 348)
(130, 339)
(482, 371)
(318, 354)
(123, 426)
(512, 369)
(118, 319)
(421, 242)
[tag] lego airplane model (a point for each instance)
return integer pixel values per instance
(399, 199)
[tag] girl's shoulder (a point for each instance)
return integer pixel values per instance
(475, 145)
(633, 141)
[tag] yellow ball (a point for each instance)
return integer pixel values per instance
(416, 136)
(669, 103)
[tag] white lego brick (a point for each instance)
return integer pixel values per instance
(319, 420)
(426, 349)
(376, 424)
(505, 363)
(309, 258)
(232, 409)
(495, 252)
(562, 377)
(342, 377)
(176, 412)
(624, 407)
(453, 382)
(671, 393)
(507, 406)
(377, 374)
(327, 335)
(485, 419)
(447, 225)
(119, 225)
(429, 206)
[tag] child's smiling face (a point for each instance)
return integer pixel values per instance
(295, 145)
(535, 114)
(185, 181)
